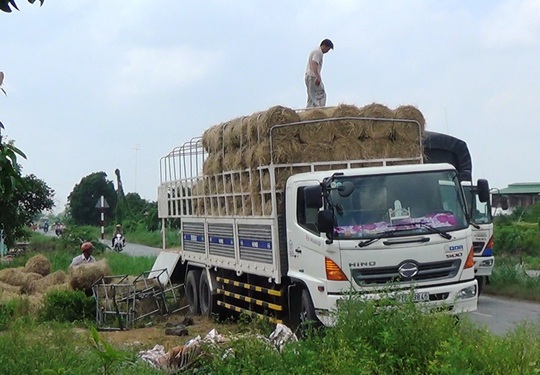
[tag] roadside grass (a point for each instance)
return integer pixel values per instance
(368, 338)
(375, 337)
(509, 279)
(382, 338)
(154, 239)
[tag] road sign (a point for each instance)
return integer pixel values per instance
(102, 203)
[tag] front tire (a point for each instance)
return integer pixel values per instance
(481, 282)
(308, 319)
(192, 290)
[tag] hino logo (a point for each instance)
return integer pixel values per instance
(408, 270)
(362, 264)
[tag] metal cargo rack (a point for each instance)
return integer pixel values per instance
(122, 300)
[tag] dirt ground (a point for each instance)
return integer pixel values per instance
(147, 337)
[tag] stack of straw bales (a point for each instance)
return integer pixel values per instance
(282, 136)
(34, 280)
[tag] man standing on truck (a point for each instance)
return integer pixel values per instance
(316, 95)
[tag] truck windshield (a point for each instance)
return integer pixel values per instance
(481, 212)
(403, 204)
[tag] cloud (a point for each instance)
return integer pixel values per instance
(148, 70)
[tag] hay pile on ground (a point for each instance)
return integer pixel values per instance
(46, 283)
(282, 136)
(38, 264)
(84, 276)
(17, 276)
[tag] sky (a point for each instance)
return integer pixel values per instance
(95, 85)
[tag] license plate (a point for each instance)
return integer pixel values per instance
(416, 297)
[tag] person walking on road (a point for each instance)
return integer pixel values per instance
(316, 95)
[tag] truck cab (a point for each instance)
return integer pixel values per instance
(404, 226)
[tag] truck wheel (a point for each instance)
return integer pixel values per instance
(481, 281)
(207, 299)
(192, 290)
(308, 318)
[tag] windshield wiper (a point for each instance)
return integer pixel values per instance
(428, 226)
(474, 224)
(436, 230)
(365, 243)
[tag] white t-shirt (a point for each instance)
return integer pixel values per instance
(317, 56)
(80, 259)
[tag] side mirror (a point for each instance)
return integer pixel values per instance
(345, 189)
(325, 221)
(313, 196)
(504, 202)
(483, 190)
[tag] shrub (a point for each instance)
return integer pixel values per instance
(68, 306)
(517, 240)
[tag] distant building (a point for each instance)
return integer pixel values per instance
(522, 194)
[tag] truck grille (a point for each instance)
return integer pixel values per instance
(426, 272)
(478, 247)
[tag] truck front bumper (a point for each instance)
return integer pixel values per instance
(455, 298)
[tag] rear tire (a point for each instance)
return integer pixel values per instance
(192, 290)
(207, 299)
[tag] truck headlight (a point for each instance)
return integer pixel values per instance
(468, 292)
(486, 263)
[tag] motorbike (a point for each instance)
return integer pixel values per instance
(118, 245)
(58, 231)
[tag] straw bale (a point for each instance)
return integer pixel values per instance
(347, 110)
(409, 112)
(264, 121)
(234, 160)
(42, 285)
(6, 295)
(85, 275)
(316, 113)
(5, 287)
(33, 304)
(213, 164)
(314, 132)
(17, 276)
(146, 306)
(212, 139)
(376, 110)
(235, 133)
(38, 264)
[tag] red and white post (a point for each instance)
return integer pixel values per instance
(102, 210)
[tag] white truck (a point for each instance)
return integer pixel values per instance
(289, 240)
(444, 148)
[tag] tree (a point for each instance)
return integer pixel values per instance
(17, 210)
(85, 195)
(10, 174)
(5, 5)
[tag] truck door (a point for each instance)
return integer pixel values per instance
(302, 234)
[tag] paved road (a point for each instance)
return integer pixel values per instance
(500, 315)
(137, 250)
